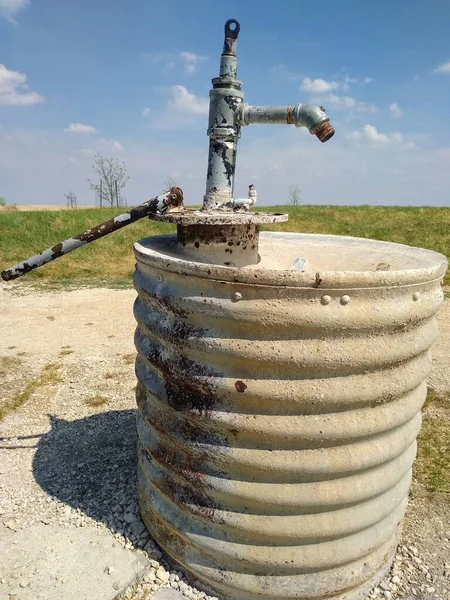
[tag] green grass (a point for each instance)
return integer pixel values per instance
(432, 467)
(110, 261)
(9, 363)
(49, 376)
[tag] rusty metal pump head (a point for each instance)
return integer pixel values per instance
(228, 113)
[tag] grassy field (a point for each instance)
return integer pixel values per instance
(111, 261)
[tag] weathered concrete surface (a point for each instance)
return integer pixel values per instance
(279, 409)
(47, 562)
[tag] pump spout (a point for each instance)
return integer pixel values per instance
(300, 115)
(315, 119)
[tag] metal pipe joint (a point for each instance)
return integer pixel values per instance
(300, 115)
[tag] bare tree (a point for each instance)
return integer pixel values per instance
(71, 199)
(169, 183)
(295, 195)
(113, 177)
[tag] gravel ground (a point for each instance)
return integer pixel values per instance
(68, 453)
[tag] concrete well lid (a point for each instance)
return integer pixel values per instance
(338, 261)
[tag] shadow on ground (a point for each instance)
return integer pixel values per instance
(90, 464)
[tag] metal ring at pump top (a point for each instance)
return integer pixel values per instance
(232, 33)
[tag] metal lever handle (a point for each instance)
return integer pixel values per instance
(171, 201)
(232, 29)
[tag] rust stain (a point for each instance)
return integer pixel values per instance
(24, 268)
(57, 250)
(240, 386)
(173, 202)
(185, 381)
(318, 281)
(205, 233)
(324, 132)
(188, 490)
(166, 303)
(383, 266)
(175, 199)
(290, 115)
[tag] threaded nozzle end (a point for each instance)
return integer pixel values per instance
(324, 132)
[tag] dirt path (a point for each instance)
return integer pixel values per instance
(68, 452)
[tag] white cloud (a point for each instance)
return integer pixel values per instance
(395, 110)
(397, 137)
(322, 86)
(102, 146)
(166, 58)
(318, 86)
(370, 134)
(80, 128)
(184, 101)
(109, 145)
(12, 86)
(348, 103)
(444, 68)
(146, 112)
(348, 81)
(340, 80)
(191, 60)
(10, 8)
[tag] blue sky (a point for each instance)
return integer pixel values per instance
(131, 79)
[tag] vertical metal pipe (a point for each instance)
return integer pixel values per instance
(223, 130)
(228, 113)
